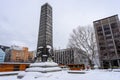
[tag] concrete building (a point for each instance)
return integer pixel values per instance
(64, 56)
(45, 41)
(2, 55)
(70, 56)
(107, 32)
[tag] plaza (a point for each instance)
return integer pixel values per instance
(64, 75)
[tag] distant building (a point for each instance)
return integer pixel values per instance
(2, 55)
(31, 56)
(70, 56)
(64, 56)
(107, 32)
(7, 56)
(20, 54)
(4, 48)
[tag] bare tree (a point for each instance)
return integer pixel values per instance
(84, 38)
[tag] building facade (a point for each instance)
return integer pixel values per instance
(70, 56)
(21, 54)
(31, 56)
(2, 55)
(107, 32)
(64, 56)
(45, 42)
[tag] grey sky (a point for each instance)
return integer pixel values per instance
(19, 19)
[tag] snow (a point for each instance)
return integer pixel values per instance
(96, 67)
(43, 67)
(51, 71)
(42, 64)
(8, 77)
(40, 69)
(64, 75)
(76, 72)
(9, 72)
(116, 70)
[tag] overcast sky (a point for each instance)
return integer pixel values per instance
(19, 19)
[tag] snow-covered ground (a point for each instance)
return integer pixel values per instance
(64, 75)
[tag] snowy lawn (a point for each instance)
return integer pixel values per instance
(64, 75)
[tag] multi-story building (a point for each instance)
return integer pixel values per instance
(2, 55)
(70, 56)
(107, 32)
(21, 54)
(64, 56)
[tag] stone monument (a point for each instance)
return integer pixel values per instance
(44, 48)
(45, 42)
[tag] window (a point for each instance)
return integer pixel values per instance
(108, 37)
(102, 48)
(110, 47)
(114, 25)
(110, 42)
(101, 38)
(49, 11)
(100, 33)
(107, 32)
(106, 27)
(105, 54)
(99, 29)
(101, 43)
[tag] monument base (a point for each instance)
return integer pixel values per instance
(43, 67)
(39, 68)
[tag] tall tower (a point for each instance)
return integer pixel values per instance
(108, 41)
(45, 41)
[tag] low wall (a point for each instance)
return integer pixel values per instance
(5, 67)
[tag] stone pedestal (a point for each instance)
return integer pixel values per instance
(43, 67)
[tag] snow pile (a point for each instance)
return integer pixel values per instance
(116, 70)
(76, 72)
(29, 75)
(61, 75)
(96, 67)
(41, 69)
(43, 64)
(21, 75)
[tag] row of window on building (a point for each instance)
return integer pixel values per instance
(70, 56)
